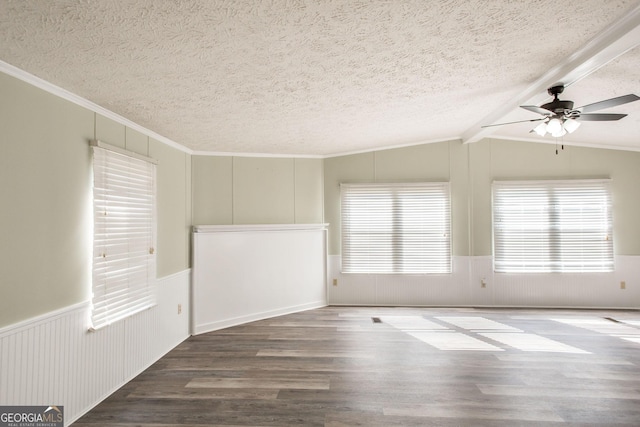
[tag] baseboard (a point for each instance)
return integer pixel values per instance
(506, 307)
(226, 323)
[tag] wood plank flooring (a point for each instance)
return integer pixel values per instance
(335, 366)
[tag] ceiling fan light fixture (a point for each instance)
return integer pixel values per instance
(554, 126)
(559, 133)
(560, 118)
(541, 129)
(570, 125)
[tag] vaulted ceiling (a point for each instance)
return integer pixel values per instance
(327, 77)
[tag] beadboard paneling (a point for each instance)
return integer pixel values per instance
(54, 359)
(463, 287)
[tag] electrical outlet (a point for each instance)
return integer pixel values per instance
(483, 283)
(623, 285)
(179, 308)
(335, 282)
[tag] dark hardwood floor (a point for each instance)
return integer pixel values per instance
(336, 366)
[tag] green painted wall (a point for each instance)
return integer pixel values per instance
(471, 168)
(174, 208)
(212, 179)
(257, 190)
(45, 188)
(45, 179)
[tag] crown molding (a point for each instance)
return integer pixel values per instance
(83, 102)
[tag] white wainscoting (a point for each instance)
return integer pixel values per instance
(55, 360)
(243, 273)
(463, 287)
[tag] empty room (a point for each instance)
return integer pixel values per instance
(319, 213)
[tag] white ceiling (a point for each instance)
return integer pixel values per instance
(327, 77)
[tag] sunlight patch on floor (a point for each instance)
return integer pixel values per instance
(532, 342)
(477, 334)
(414, 323)
(477, 324)
(632, 339)
(607, 327)
(453, 341)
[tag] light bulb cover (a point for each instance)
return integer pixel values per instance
(560, 132)
(554, 126)
(541, 129)
(570, 125)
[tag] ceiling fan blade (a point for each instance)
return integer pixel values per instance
(537, 109)
(600, 117)
(608, 103)
(519, 121)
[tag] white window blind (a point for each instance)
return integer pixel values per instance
(552, 226)
(124, 235)
(396, 228)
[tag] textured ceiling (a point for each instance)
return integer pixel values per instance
(321, 77)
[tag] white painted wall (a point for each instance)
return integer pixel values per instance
(247, 273)
(463, 287)
(54, 360)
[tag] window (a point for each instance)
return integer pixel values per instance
(124, 234)
(396, 228)
(552, 226)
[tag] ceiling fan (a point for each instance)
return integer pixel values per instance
(560, 118)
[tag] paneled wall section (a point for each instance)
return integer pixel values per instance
(257, 190)
(471, 169)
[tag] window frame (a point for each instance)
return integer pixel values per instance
(556, 243)
(386, 257)
(124, 205)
